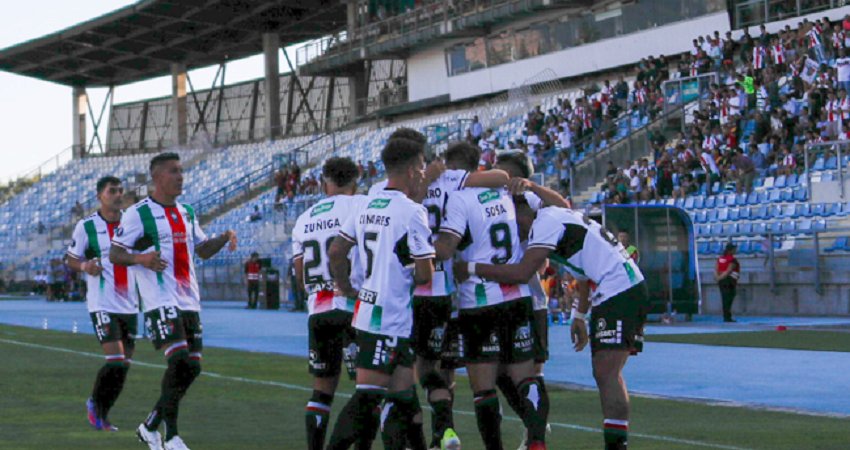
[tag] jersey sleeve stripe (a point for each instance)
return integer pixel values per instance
(542, 245)
(347, 237)
(451, 231)
(463, 180)
(424, 256)
(298, 255)
(121, 245)
(75, 256)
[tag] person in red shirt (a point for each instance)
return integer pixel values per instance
(727, 272)
(252, 274)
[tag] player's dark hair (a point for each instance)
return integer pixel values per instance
(517, 160)
(342, 171)
(410, 134)
(157, 160)
(106, 181)
(399, 153)
(463, 154)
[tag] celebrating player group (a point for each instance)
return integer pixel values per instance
(436, 268)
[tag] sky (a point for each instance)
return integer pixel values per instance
(35, 115)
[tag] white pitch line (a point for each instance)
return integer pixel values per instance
(296, 387)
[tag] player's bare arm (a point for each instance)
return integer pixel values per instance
(120, 256)
(517, 273)
(578, 328)
(423, 270)
(493, 178)
(517, 186)
(90, 266)
(340, 266)
(446, 245)
(210, 247)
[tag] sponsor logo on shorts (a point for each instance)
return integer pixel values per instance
(367, 296)
(435, 341)
(493, 346)
(314, 361)
(614, 336)
(601, 324)
(522, 338)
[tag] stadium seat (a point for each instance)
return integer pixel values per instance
(787, 195)
(761, 212)
(768, 183)
(700, 216)
(712, 216)
(699, 201)
(831, 163)
(744, 213)
(710, 201)
(804, 210)
(805, 225)
(819, 164)
(834, 209)
(702, 247)
(689, 203)
(793, 180)
(755, 198)
(780, 182)
(819, 225)
(788, 211)
(745, 228)
(679, 203)
(730, 228)
(746, 248)
(800, 194)
(715, 248)
(776, 227)
(730, 199)
(775, 196)
(826, 177)
(723, 214)
(734, 214)
(819, 209)
(741, 199)
(840, 244)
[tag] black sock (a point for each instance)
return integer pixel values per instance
(534, 402)
(119, 377)
(173, 382)
(105, 384)
(489, 419)
(441, 415)
(358, 421)
(544, 394)
(316, 418)
(509, 390)
(398, 428)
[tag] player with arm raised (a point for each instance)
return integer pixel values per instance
(161, 235)
(331, 337)
(495, 319)
(620, 303)
(111, 299)
(391, 235)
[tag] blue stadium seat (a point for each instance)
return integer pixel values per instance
(734, 214)
(703, 230)
(741, 199)
(746, 248)
(730, 228)
(819, 209)
(699, 201)
(723, 214)
(715, 248)
(804, 210)
(679, 203)
(831, 163)
(780, 182)
(761, 212)
(827, 176)
(841, 209)
(716, 229)
(756, 198)
(775, 196)
(702, 248)
(793, 180)
(710, 201)
(819, 164)
(776, 227)
(805, 225)
(840, 244)
(819, 225)
(730, 199)
(833, 209)
(788, 211)
(800, 194)
(712, 216)
(745, 228)
(699, 217)
(774, 212)
(787, 195)
(689, 203)
(744, 213)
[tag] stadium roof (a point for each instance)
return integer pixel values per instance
(142, 40)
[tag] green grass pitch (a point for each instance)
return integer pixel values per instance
(255, 401)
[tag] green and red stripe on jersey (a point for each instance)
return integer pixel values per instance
(119, 272)
(152, 232)
(324, 301)
(94, 244)
(179, 240)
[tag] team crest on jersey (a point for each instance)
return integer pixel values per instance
(378, 203)
(119, 231)
(323, 208)
(488, 196)
(174, 216)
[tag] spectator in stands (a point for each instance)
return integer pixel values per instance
(77, 211)
(255, 216)
(726, 273)
(746, 172)
(280, 179)
(476, 129)
(41, 228)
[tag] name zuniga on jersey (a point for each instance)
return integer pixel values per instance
(326, 224)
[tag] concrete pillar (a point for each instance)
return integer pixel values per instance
(178, 104)
(78, 129)
(358, 91)
(271, 51)
(351, 19)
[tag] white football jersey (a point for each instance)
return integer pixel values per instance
(312, 235)
(174, 231)
(377, 187)
(586, 250)
(114, 290)
(390, 232)
(485, 221)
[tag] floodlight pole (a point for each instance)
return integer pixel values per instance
(271, 44)
(178, 104)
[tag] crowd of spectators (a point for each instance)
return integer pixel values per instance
(776, 92)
